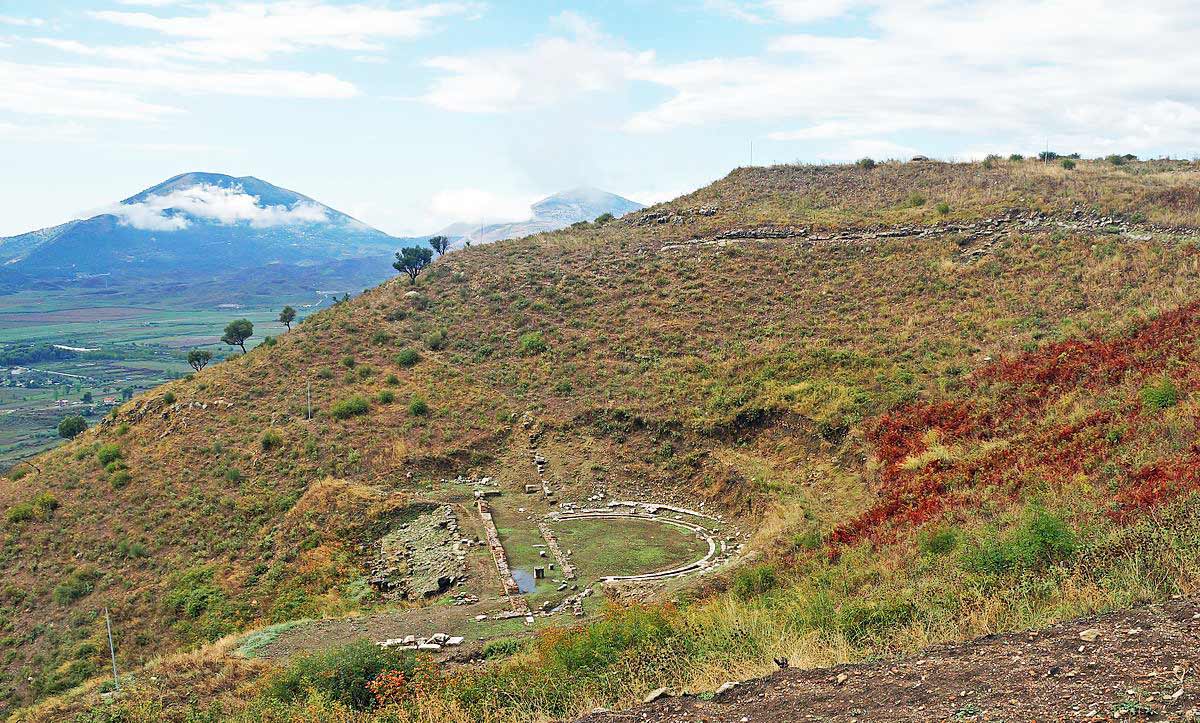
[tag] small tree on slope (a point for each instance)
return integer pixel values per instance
(412, 261)
(237, 332)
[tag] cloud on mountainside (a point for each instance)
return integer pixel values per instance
(207, 202)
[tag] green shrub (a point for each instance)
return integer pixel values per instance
(387, 396)
(119, 479)
(417, 407)
(436, 339)
(594, 648)
(1068, 164)
(866, 163)
(348, 362)
(71, 427)
(938, 541)
(325, 373)
(531, 343)
(20, 512)
(202, 610)
(43, 504)
(915, 200)
(1040, 539)
(807, 540)
(271, 439)
(392, 380)
(943, 208)
(502, 648)
(353, 406)
(1160, 395)
(381, 337)
(169, 398)
(341, 673)
(604, 218)
(991, 161)
(753, 581)
(408, 358)
(1016, 157)
(108, 453)
(78, 584)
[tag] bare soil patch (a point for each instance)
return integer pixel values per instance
(1138, 664)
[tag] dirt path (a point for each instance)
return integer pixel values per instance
(1143, 665)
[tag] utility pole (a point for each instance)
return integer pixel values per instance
(112, 651)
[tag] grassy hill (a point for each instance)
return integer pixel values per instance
(980, 422)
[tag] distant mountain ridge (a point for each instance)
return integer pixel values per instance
(549, 214)
(200, 238)
(200, 228)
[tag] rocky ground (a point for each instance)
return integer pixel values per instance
(1139, 664)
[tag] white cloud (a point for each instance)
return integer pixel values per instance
(117, 93)
(149, 3)
(475, 205)
(788, 11)
(69, 132)
(547, 72)
(807, 11)
(257, 31)
(142, 54)
(226, 206)
(21, 22)
(1022, 70)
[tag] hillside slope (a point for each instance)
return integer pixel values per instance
(822, 353)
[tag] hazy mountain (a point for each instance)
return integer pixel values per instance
(197, 227)
(549, 214)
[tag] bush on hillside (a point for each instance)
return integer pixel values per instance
(351, 407)
(597, 646)
(78, 584)
(753, 581)
(501, 648)
(71, 427)
(915, 200)
(120, 478)
(531, 343)
(387, 396)
(1160, 395)
(938, 541)
(436, 339)
(1040, 539)
(1016, 157)
(271, 439)
(408, 358)
(1068, 164)
(866, 163)
(418, 407)
(943, 208)
(342, 674)
(106, 454)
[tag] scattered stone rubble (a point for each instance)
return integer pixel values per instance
(435, 642)
(977, 238)
(421, 558)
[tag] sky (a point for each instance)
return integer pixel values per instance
(410, 115)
